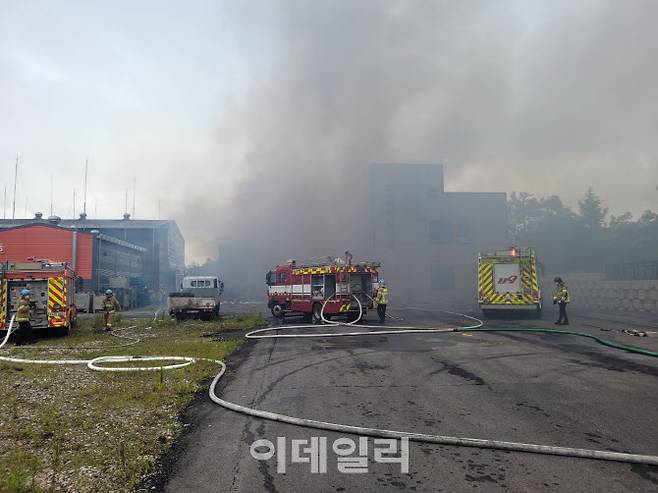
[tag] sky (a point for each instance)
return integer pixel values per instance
(240, 118)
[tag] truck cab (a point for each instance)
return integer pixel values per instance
(199, 297)
(207, 286)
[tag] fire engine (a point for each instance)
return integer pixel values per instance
(509, 280)
(52, 288)
(302, 288)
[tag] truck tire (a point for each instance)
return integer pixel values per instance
(277, 310)
(317, 310)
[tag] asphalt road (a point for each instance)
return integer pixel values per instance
(533, 388)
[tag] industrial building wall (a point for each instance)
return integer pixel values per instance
(47, 242)
(428, 240)
(116, 265)
(172, 258)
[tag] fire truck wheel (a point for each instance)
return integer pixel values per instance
(277, 311)
(317, 309)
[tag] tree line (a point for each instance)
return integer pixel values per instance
(585, 240)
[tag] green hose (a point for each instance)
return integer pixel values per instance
(630, 349)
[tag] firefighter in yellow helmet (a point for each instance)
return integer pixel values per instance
(381, 300)
(110, 307)
(23, 311)
(561, 298)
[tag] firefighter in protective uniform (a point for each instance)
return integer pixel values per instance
(561, 298)
(24, 334)
(110, 307)
(381, 300)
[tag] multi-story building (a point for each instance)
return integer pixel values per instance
(428, 239)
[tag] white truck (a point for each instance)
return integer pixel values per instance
(198, 298)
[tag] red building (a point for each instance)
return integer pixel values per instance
(54, 243)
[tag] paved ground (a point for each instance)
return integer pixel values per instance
(546, 389)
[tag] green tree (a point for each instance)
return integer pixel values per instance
(592, 212)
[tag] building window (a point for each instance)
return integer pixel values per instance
(440, 232)
(463, 232)
(282, 277)
(442, 277)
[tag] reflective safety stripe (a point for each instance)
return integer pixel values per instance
(57, 298)
(3, 302)
(332, 269)
(487, 291)
(345, 307)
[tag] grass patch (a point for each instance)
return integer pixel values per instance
(70, 429)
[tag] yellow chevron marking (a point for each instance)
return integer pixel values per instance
(3, 301)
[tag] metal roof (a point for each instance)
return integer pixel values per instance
(92, 223)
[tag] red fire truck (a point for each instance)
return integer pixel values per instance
(302, 288)
(52, 288)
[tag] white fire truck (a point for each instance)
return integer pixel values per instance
(509, 280)
(302, 288)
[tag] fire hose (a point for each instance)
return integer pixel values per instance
(181, 361)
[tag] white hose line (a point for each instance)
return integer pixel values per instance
(93, 364)
(424, 438)
(391, 330)
(417, 437)
(11, 324)
(114, 333)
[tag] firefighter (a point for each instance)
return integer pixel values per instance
(24, 334)
(381, 300)
(110, 306)
(561, 298)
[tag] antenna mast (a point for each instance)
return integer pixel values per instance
(84, 202)
(4, 205)
(51, 195)
(134, 187)
(73, 215)
(13, 209)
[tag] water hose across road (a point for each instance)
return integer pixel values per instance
(275, 332)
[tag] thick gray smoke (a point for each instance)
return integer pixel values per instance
(549, 97)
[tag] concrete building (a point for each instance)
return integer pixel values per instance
(428, 239)
(163, 264)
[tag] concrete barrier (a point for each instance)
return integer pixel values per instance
(591, 290)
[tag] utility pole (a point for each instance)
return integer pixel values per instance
(51, 195)
(13, 208)
(73, 215)
(126, 202)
